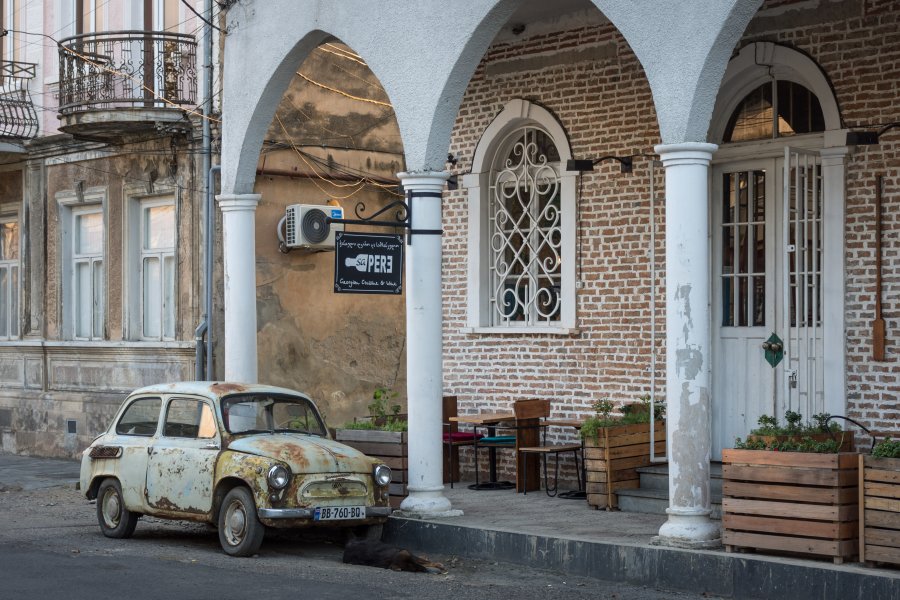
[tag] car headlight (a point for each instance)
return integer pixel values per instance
(382, 475)
(278, 477)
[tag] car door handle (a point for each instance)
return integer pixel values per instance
(210, 446)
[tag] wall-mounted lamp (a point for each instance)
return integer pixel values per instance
(453, 180)
(867, 138)
(626, 162)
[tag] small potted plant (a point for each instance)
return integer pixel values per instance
(819, 430)
(879, 484)
(790, 491)
(382, 434)
(616, 446)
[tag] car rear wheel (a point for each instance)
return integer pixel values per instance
(240, 532)
(115, 520)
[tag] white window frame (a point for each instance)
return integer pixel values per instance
(134, 277)
(516, 114)
(72, 204)
(13, 320)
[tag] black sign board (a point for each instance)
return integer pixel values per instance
(368, 263)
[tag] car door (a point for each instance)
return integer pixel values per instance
(182, 462)
(135, 432)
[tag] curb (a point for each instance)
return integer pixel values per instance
(740, 576)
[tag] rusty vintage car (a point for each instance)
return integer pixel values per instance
(240, 457)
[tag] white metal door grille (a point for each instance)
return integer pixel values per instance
(801, 316)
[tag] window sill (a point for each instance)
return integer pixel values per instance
(520, 330)
(96, 344)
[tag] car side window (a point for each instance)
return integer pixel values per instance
(140, 418)
(187, 418)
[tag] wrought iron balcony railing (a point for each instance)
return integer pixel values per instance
(127, 69)
(18, 117)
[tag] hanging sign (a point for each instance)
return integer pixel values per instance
(368, 263)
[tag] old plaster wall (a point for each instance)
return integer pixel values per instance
(47, 380)
(336, 347)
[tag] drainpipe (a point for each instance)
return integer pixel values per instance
(208, 271)
(205, 326)
(653, 458)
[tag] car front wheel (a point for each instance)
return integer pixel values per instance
(240, 532)
(115, 520)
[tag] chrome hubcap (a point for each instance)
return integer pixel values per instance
(111, 508)
(235, 523)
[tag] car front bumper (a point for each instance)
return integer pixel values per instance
(308, 513)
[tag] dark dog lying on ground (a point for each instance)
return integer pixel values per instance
(372, 553)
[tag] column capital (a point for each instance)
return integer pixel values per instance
(238, 202)
(687, 153)
(426, 181)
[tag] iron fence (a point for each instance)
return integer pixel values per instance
(18, 117)
(127, 69)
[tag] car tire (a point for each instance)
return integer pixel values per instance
(240, 532)
(115, 520)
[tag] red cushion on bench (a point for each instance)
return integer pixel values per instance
(462, 436)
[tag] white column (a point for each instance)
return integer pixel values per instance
(688, 345)
(239, 256)
(424, 358)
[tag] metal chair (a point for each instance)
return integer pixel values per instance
(529, 411)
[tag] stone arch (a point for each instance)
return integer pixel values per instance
(760, 62)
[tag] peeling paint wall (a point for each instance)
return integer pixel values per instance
(335, 347)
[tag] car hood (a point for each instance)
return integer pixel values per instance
(305, 453)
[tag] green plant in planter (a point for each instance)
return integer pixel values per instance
(769, 427)
(887, 449)
(632, 413)
(379, 418)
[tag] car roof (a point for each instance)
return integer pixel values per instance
(215, 390)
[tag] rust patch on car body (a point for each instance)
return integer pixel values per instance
(222, 389)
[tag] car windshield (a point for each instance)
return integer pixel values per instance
(270, 413)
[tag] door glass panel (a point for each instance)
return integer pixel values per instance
(743, 248)
(805, 235)
(186, 418)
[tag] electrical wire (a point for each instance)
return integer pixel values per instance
(201, 17)
(342, 93)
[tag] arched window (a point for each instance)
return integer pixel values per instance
(775, 109)
(521, 217)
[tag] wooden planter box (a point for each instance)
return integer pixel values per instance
(879, 498)
(791, 501)
(389, 446)
(611, 461)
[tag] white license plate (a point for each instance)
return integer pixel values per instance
(339, 513)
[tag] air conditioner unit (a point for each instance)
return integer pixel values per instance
(306, 226)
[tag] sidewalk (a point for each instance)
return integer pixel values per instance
(568, 536)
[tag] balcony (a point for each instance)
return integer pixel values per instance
(122, 83)
(18, 117)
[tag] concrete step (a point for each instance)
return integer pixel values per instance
(655, 502)
(656, 477)
(653, 495)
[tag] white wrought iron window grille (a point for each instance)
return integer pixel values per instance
(525, 231)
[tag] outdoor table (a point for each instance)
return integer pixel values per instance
(490, 420)
(576, 424)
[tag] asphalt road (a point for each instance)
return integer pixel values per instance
(51, 547)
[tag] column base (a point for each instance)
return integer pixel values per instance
(689, 529)
(430, 504)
